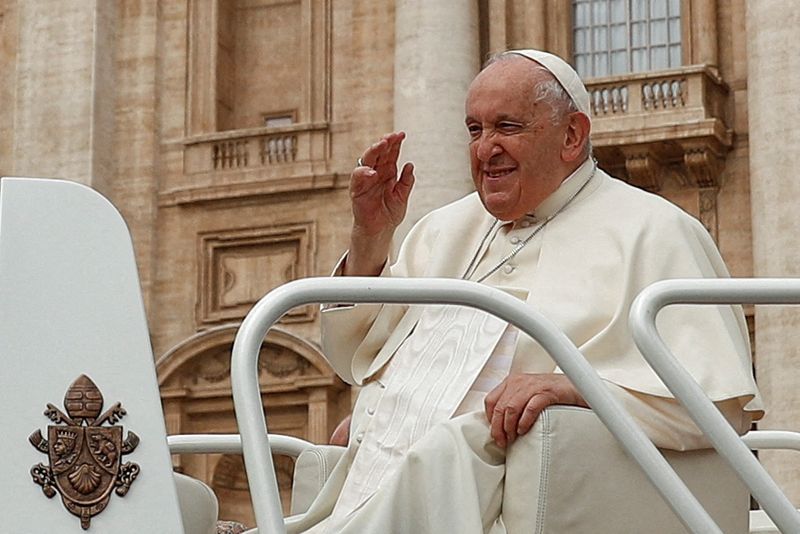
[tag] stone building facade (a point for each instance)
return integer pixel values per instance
(225, 131)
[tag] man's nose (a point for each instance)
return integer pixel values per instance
(487, 146)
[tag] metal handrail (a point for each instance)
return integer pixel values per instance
(250, 414)
(772, 439)
(232, 444)
(725, 440)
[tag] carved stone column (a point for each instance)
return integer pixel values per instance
(518, 25)
(436, 56)
(173, 419)
(8, 82)
(704, 32)
(318, 416)
(64, 98)
(498, 26)
(774, 112)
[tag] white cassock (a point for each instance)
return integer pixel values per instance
(420, 366)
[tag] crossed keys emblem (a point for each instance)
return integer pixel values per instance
(85, 457)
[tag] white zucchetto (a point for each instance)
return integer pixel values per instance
(563, 72)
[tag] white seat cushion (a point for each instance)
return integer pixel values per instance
(570, 475)
(311, 469)
(199, 506)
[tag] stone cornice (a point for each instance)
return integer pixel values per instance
(252, 189)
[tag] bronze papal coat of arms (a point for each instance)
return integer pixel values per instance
(85, 456)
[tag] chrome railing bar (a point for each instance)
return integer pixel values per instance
(232, 444)
(250, 414)
(772, 439)
(725, 440)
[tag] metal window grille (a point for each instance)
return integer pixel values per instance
(621, 36)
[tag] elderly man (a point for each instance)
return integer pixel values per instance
(448, 390)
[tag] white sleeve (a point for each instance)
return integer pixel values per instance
(667, 423)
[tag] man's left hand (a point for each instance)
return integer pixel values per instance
(514, 405)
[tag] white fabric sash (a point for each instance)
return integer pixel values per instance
(425, 381)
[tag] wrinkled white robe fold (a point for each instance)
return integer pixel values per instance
(425, 382)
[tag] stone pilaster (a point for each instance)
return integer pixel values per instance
(436, 57)
(704, 32)
(136, 125)
(64, 103)
(518, 24)
(774, 113)
(8, 81)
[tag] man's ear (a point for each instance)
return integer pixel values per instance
(576, 137)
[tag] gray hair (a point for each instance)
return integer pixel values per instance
(549, 91)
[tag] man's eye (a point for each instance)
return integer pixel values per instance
(474, 131)
(508, 126)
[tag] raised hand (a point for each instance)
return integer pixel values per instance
(379, 199)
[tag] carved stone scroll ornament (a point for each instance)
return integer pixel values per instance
(703, 165)
(85, 457)
(644, 169)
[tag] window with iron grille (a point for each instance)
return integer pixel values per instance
(621, 36)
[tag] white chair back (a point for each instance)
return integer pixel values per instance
(71, 306)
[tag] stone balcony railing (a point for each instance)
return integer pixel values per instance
(644, 123)
(253, 161)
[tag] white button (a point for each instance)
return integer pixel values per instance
(508, 269)
(514, 240)
(360, 437)
(371, 411)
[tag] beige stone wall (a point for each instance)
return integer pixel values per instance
(8, 83)
(161, 106)
(135, 141)
(735, 235)
(774, 113)
(75, 95)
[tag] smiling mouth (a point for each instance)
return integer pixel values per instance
(497, 173)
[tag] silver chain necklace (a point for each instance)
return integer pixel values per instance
(473, 263)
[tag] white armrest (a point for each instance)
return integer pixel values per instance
(772, 439)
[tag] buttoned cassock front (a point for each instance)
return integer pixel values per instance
(582, 270)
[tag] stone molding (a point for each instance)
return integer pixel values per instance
(171, 367)
(191, 196)
(239, 266)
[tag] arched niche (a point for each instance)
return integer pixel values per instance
(301, 394)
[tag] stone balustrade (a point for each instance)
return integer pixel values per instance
(647, 124)
(694, 88)
(254, 161)
(251, 148)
